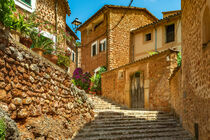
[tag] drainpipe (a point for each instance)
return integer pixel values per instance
(155, 39)
(56, 20)
(107, 40)
(77, 56)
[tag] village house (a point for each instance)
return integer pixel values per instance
(105, 36)
(160, 35)
(71, 46)
(51, 11)
(143, 83)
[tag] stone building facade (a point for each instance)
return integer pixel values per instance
(75, 50)
(106, 36)
(51, 11)
(160, 35)
(195, 71)
(154, 71)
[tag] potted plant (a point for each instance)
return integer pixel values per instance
(63, 61)
(96, 81)
(40, 43)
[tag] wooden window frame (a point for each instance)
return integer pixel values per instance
(167, 40)
(104, 44)
(146, 35)
(94, 44)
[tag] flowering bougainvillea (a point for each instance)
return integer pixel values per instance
(80, 79)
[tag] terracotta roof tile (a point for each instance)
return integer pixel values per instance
(157, 22)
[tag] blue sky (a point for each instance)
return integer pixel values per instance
(84, 9)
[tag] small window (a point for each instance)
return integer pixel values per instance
(28, 2)
(73, 57)
(148, 37)
(94, 49)
(102, 46)
(170, 34)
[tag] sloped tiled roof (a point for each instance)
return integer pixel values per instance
(157, 22)
(67, 7)
(146, 57)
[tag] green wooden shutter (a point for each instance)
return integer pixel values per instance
(28, 2)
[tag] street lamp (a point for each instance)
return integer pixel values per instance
(76, 23)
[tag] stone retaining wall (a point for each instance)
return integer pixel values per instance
(38, 95)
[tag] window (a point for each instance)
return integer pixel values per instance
(28, 5)
(94, 49)
(170, 34)
(102, 46)
(28, 2)
(148, 37)
(73, 57)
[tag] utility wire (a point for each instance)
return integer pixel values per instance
(122, 16)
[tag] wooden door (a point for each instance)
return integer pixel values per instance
(137, 91)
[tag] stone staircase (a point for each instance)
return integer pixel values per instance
(113, 122)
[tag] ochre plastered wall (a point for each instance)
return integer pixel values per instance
(142, 47)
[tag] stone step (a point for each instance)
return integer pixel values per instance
(92, 133)
(139, 135)
(130, 111)
(120, 115)
(127, 118)
(139, 123)
(115, 128)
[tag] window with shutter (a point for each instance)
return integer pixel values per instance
(28, 2)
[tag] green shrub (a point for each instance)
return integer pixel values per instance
(152, 53)
(2, 129)
(96, 80)
(63, 60)
(179, 59)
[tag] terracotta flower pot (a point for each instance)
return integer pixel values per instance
(26, 41)
(52, 58)
(38, 51)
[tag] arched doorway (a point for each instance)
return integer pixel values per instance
(137, 90)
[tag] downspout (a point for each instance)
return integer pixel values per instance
(155, 39)
(107, 43)
(76, 55)
(56, 20)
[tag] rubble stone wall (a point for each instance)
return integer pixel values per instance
(119, 34)
(195, 86)
(116, 84)
(38, 95)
